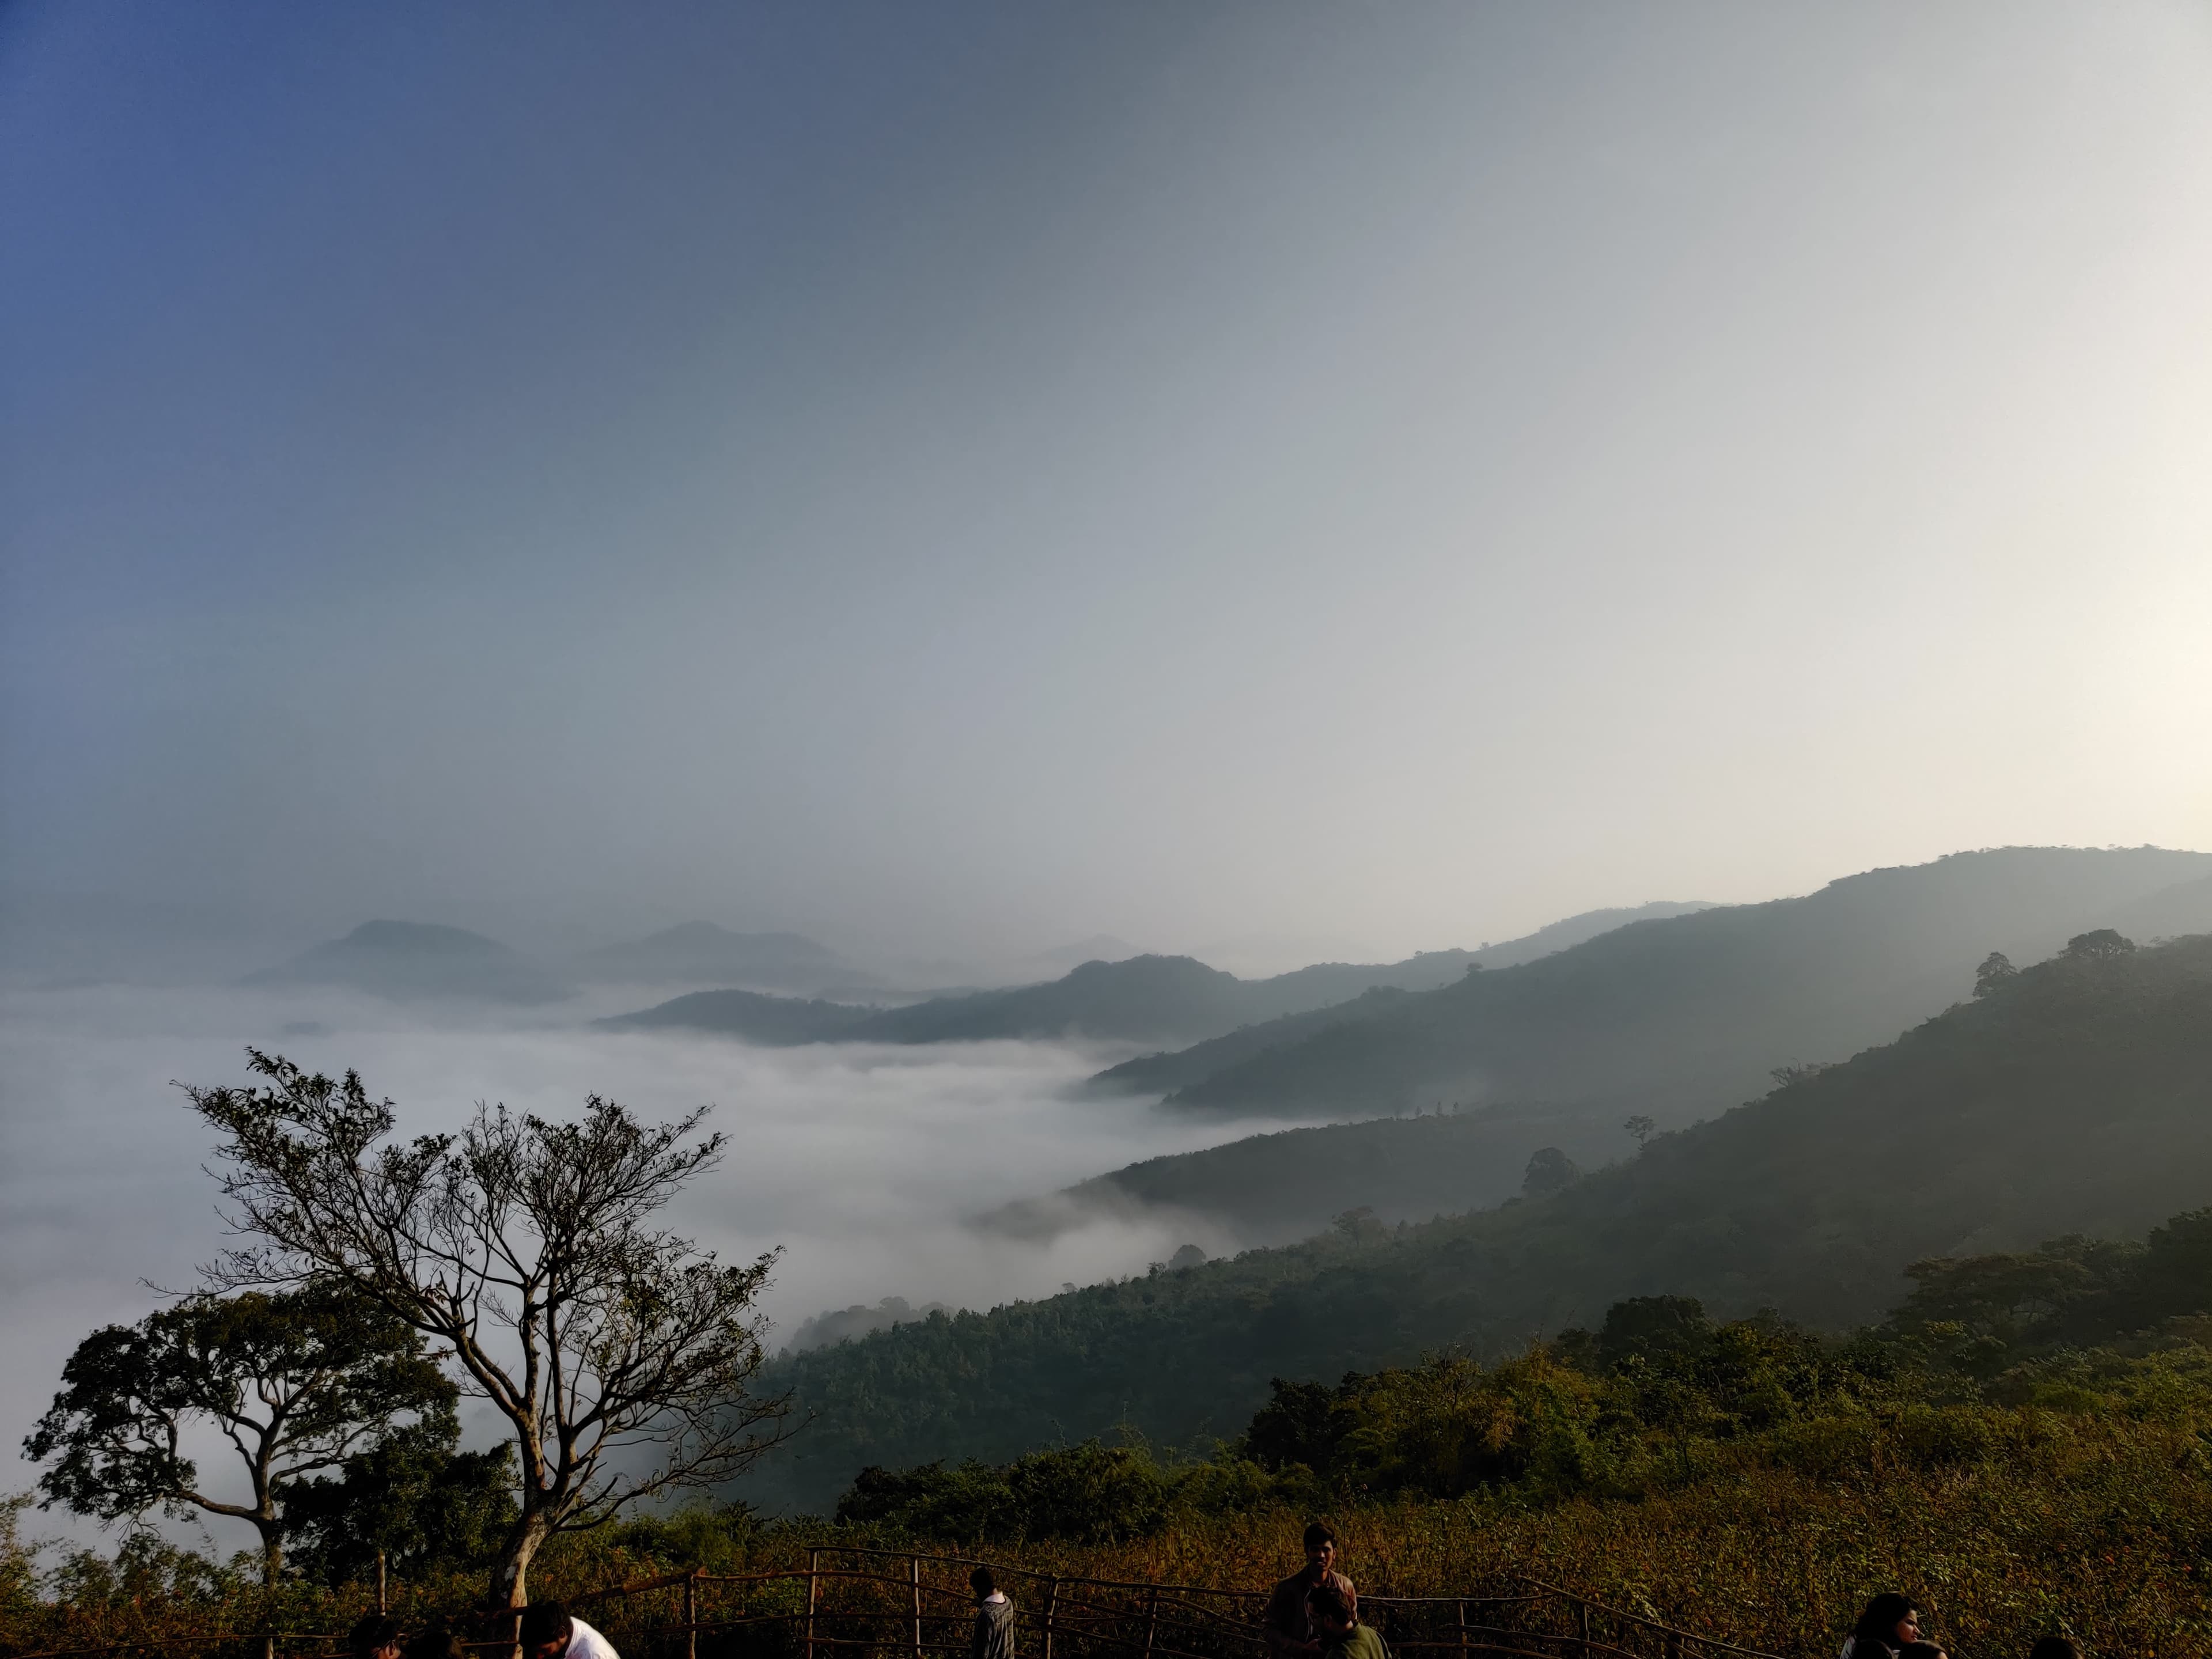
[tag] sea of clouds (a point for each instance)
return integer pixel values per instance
(864, 1164)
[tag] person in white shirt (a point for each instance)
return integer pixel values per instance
(550, 1630)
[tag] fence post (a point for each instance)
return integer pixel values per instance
(381, 1608)
(914, 1576)
(1582, 1624)
(1152, 1617)
(813, 1595)
(1051, 1606)
(1462, 1629)
(691, 1614)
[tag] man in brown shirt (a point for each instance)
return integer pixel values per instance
(1289, 1627)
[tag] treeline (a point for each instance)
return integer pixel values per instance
(1982, 1359)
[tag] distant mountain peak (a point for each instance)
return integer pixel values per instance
(417, 960)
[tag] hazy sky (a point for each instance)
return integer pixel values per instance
(965, 477)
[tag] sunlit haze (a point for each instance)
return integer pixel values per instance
(1270, 481)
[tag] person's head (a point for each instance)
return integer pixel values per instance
(1329, 1607)
(373, 1637)
(1321, 1546)
(546, 1628)
(1889, 1619)
(983, 1583)
(437, 1641)
(2053, 1647)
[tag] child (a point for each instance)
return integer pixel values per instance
(1336, 1619)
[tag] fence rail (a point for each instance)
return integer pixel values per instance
(888, 1603)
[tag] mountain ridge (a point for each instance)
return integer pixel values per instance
(1666, 1015)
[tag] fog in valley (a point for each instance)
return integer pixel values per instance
(865, 1165)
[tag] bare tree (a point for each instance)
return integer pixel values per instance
(530, 1249)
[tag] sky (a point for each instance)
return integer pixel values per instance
(959, 479)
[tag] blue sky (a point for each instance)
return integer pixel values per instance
(963, 478)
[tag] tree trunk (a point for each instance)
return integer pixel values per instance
(510, 1577)
(272, 1550)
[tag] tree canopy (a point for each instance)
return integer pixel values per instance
(297, 1382)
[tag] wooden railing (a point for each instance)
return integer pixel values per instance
(884, 1604)
(887, 1603)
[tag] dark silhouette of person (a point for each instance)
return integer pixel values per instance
(993, 1635)
(1889, 1624)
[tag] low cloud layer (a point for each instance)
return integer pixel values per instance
(863, 1163)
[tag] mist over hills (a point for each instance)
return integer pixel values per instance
(1672, 1016)
(418, 961)
(1143, 998)
(1147, 998)
(2076, 1095)
(702, 953)
(1571, 930)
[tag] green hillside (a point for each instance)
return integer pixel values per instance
(1674, 1018)
(2077, 1096)
(1276, 1188)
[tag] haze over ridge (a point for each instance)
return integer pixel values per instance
(972, 483)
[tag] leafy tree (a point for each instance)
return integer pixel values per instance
(1798, 1071)
(2103, 945)
(296, 1382)
(1549, 1169)
(530, 1250)
(1995, 969)
(412, 1499)
(1643, 1127)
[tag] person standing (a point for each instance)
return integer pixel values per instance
(993, 1635)
(1288, 1623)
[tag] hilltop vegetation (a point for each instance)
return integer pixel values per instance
(1657, 1392)
(1670, 1018)
(2074, 1097)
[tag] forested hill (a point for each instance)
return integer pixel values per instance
(1279, 1188)
(1676, 1017)
(2076, 1095)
